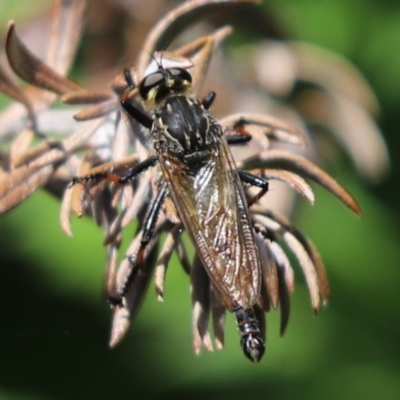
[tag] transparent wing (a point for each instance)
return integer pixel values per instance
(211, 204)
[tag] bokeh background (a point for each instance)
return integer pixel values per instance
(55, 324)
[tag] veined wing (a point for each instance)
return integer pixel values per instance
(211, 204)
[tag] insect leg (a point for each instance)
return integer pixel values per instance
(254, 180)
(122, 179)
(132, 172)
(238, 139)
(208, 100)
(135, 113)
(147, 234)
(131, 110)
(241, 136)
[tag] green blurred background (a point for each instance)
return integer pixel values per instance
(55, 324)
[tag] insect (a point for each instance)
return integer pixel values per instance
(200, 176)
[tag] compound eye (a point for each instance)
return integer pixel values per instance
(150, 82)
(181, 74)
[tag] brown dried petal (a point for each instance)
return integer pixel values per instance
(284, 299)
(308, 268)
(200, 288)
(183, 256)
(20, 184)
(65, 214)
(137, 288)
(333, 72)
(111, 271)
(65, 35)
(11, 89)
(96, 111)
(218, 319)
(32, 70)
(293, 180)
(163, 260)
(259, 125)
(283, 263)
(86, 97)
(31, 154)
(268, 271)
(177, 20)
(305, 168)
(352, 125)
(304, 253)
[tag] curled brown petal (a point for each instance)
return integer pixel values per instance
(18, 147)
(305, 168)
(293, 180)
(196, 46)
(32, 70)
(65, 214)
(177, 20)
(218, 319)
(183, 256)
(333, 72)
(259, 125)
(268, 272)
(291, 237)
(311, 251)
(283, 262)
(11, 89)
(353, 127)
(86, 97)
(29, 179)
(308, 268)
(163, 260)
(200, 288)
(33, 153)
(65, 35)
(284, 299)
(135, 206)
(111, 271)
(136, 290)
(96, 111)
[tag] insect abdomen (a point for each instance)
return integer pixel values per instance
(251, 342)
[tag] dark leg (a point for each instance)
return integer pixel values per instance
(208, 100)
(257, 181)
(238, 139)
(131, 110)
(126, 177)
(129, 79)
(136, 114)
(147, 234)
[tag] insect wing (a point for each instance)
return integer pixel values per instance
(211, 203)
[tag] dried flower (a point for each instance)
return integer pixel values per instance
(105, 140)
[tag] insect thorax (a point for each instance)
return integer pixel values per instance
(183, 128)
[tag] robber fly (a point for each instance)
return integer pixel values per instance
(200, 176)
